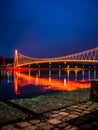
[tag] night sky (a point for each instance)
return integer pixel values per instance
(48, 28)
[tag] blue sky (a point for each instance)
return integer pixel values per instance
(48, 28)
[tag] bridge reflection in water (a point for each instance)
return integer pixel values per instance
(49, 83)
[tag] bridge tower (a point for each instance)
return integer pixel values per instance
(15, 58)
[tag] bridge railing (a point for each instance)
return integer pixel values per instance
(85, 56)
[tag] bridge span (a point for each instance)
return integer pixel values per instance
(88, 56)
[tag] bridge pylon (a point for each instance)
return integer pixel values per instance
(88, 56)
(15, 58)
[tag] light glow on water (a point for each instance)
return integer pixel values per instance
(48, 83)
(15, 84)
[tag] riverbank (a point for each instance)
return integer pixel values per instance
(41, 104)
(57, 111)
(81, 116)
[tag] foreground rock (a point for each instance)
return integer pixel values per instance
(50, 102)
(9, 113)
(32, 107)
(94, 91)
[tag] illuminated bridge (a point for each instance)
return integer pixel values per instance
(89, 56)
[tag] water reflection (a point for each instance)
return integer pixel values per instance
(95, 74)
(39, 73)
(2, 76)
(59, 73)
(48, 83)
(41, 81)
(49, 72)
(83, 74)
(89, 73)
(68, 72)
(16, 83)
(9, 76)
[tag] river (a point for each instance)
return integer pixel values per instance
(34, 82)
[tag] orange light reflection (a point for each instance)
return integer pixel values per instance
(48, 83)
(16, 83)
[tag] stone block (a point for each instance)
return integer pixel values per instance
(94, 91)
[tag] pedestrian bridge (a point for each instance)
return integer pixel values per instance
(88, 56)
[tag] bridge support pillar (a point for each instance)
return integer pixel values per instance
(15, 58)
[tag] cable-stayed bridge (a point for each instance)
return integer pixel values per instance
(88, 56)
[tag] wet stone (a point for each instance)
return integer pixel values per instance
(74, 106)
(9, 127)
(89, 103)
(55, 112)
(54, 115)
(65, 118)
(92, 107)
(86, 112)
(30, 128)
(96, 108)
(60, 117)
(84, 106)
(56, 128)
(47, 114)
(88, 109)
(34, 121)
(47, 127)
(44, 126)
(54, 121)
(63, 110)
(74, 128)
(76, 113)
(23, 124)
(63, 124)
(79, 110)
(70, 127)
(73, 115)
(95, 104)
(64, 113)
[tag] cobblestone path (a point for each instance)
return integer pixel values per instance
(82, 116)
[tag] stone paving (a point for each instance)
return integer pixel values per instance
(82, 116)
(49, 102)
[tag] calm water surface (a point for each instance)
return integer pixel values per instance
(41, 81)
